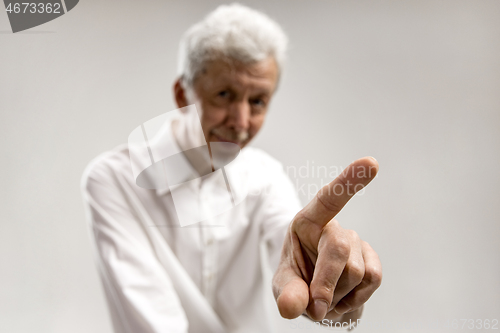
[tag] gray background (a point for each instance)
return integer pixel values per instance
(413, 83)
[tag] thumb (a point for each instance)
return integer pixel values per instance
(291, 292)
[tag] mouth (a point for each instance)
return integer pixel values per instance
(222, 138)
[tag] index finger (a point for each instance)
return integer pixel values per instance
(330, 200)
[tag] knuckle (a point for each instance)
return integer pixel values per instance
(323, 290)
(298, 221)
(342, 248)
(373, 276)
(353, 234)
(332, 227)
(327, 287)
(336, 243)
(356, 272)
(367, 246)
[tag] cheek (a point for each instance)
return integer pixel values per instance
(255, 125)
(212, 117)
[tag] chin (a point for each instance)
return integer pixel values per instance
(244, 143)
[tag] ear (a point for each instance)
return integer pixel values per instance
(180, 94)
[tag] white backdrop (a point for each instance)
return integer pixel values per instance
(414, 83)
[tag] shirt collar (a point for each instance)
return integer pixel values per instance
(185, 171)
(165, 145)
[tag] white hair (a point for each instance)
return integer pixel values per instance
(233, 31)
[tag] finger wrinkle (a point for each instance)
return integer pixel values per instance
(330, 207)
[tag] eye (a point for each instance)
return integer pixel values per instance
(223, 94)
(258, 102)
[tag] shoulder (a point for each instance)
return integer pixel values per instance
(263, 169)
(260, 160)
(104, 167)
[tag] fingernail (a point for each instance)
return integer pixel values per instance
(319, 309)
(342, 307)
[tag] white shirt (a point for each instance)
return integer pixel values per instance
(202, 277)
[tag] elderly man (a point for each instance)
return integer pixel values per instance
(162, 275)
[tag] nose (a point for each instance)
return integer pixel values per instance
(239, 116)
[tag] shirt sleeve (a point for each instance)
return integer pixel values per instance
(279, 204)
(139, 292)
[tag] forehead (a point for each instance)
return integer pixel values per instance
(224, 73)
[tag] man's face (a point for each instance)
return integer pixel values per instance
(234, 98)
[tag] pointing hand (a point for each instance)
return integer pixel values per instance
(327, 271)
